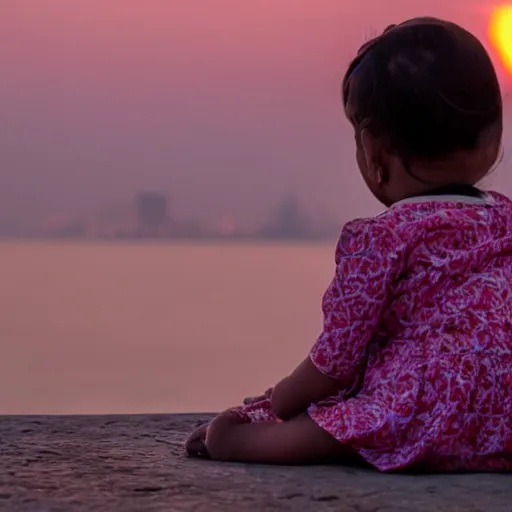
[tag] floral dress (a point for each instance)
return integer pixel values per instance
(418, 319)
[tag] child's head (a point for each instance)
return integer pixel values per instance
(426, 106)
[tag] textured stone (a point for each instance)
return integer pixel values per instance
(136, 463)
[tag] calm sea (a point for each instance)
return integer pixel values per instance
(140, 328)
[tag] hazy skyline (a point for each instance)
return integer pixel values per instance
(227, 105)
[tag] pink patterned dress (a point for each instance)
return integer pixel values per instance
(418, 321)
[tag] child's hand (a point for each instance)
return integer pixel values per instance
(254, 399)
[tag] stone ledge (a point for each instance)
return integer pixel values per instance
(136, 463)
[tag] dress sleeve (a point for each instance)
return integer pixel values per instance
(367, 262)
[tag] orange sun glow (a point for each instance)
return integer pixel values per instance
(500, 31)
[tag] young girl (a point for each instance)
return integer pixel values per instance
(414, 364)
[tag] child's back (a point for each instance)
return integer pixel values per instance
(433, 279)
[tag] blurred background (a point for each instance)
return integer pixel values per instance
(173, 175)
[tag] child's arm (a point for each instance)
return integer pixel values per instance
(367, 260)
(306, 385)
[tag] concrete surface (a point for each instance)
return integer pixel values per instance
(137, 463)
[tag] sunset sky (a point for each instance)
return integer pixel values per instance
(227, 104)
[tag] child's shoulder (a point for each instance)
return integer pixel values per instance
(497, 198)
(406, 223)
(369, 235)
(426, 210)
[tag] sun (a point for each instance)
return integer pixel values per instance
(500, 31)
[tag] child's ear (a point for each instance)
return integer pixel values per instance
(372, 151)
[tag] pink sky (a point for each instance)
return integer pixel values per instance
(227, 104)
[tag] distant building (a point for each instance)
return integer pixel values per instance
(152, 214)
(226, 226)
(289, 222)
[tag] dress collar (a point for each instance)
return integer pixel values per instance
(455, 198)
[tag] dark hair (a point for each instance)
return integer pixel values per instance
(428, 86)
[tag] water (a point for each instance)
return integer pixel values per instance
(141, 328)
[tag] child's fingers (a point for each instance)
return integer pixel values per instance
(253, 399)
